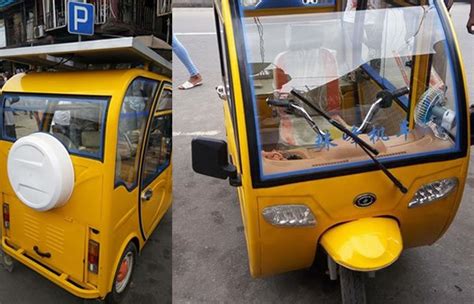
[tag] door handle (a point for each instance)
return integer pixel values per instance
(41, 254)
(146, 196)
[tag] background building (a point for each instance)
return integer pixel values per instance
(33, 22)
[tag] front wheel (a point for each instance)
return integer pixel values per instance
(352, 286)
(123, 275)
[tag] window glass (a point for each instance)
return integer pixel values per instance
(133, 119)
(347, 64)
(78, 122)
(158, 148)
(166, 101)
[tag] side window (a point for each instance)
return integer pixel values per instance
(158, 149)
(166, 101)
(133, 118)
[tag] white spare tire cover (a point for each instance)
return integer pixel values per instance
(40, 171)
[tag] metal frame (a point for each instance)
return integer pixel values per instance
(81, 54)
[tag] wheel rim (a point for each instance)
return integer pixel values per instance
(124, 273)
(7, 260)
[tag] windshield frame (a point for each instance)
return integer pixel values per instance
(99, 98)
(259, 180)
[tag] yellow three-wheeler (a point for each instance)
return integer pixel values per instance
(347, 131)
(85, 162)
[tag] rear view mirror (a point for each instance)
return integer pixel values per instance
(210, 157)
(471, 111)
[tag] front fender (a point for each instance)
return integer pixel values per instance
(366, 244)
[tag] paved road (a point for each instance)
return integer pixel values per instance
(151, 283)
(209, 253)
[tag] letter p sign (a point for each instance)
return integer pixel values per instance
(80, 18)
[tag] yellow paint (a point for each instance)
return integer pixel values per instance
(273, 250)
(97, 209)
(367, 244)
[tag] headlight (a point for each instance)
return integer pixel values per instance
(248, 3)
(433, 191)
(289, 216)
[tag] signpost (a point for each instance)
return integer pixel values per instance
(80, 18)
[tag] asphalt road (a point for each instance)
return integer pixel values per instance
(151, 282)
(210, 262)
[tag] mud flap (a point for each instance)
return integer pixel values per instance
(366, 244)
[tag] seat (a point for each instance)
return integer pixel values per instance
(306, 65)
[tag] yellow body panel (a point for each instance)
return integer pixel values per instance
(97, 210)
(367, 244)
(273, 249)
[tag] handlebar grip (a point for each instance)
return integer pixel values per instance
(278, 103)
(400, 92)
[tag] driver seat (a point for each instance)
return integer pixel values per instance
(306, 64)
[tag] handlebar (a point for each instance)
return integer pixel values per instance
(283, 103)
(400, 92)
(385, 97)
(295, 109)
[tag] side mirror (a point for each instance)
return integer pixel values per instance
(210, 157)
(471, 111)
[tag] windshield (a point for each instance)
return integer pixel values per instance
(348, 64)
(78, 122)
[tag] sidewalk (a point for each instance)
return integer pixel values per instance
(192, 3)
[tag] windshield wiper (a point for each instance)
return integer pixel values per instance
(369, 150)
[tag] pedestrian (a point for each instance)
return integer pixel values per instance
(195, 78)
(470, 20)
(9, 119)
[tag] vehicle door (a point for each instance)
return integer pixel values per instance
(156, 175)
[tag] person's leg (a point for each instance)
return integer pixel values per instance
(184, 57)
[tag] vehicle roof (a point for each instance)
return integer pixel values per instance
(83, 82)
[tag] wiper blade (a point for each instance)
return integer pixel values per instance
(369, 150)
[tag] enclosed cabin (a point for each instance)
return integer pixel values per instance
(343, 56)
(82, 133)
(327, 100)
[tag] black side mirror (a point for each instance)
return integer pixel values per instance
(471, 111)
(210, 157)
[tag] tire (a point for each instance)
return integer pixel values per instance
(352, 286)
(8, 262)
(123, 275)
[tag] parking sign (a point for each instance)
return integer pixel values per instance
(80, 18)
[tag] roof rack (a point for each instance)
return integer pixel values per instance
(80, 55)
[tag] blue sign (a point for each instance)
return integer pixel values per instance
(80, 18)
(272, 4)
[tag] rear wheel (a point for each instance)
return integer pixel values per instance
(123, 275)
(7, 262)
(352, 286)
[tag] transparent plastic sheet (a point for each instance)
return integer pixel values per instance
(340, 61)
(294, 42)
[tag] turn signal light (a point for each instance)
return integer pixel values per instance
(6, 216)
(93, 257)
(433, 192)
(289, 215)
